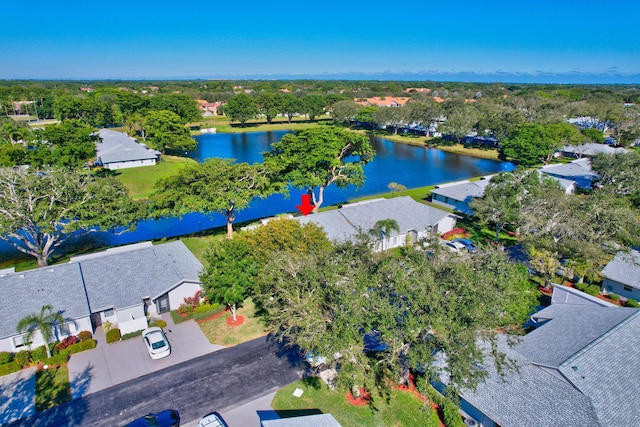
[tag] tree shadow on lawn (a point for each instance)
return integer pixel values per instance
(17, 397)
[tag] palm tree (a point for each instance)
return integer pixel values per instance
(383, 228)
(45, 322)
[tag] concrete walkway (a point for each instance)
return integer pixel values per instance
(111, 364)
(17, 395)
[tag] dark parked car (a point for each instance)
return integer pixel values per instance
(168, 418)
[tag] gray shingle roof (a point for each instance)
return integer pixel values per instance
(345, 223)
(608, 371)
(118, 147)
(591, 149)
(596, 385)
(624, 268)
(123, 279)
(463, 192)
(119, 278)
(26, 292)
(571, 328)
(576, 169)
(529, 397)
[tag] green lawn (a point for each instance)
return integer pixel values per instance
(218, 332)
(140, 181)
(199, 245)
(401, 409)
(52, 387)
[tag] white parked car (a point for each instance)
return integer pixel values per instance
(156, 342)
(214, 419)
(454, 246)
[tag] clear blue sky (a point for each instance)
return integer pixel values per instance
(231, 39)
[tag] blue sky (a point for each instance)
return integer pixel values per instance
(579, 40)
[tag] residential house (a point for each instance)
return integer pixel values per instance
(117, 150)
(208, 108)
(457, 195)
(386, 101)
(622, 275)
(122, 286)
(578, 171)
(579, 367)
(588, 150)
(415, 220)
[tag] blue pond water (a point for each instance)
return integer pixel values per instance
(411, 166)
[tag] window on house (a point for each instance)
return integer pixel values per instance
(628, 288)
(68, 328)
(110, 312)
(21, 341)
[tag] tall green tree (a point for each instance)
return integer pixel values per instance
(269, 104)
(71, 144)
(44, 322)
(40, 208)
(419, 309)
(291, 105)
(180, 104)
(241, 108)
(318, 157)
(530, 144)
(314, 105)
(217, 185)
(344, 111)
(164, 129)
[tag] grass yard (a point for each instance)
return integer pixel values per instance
(401, 409)
(218, 332)
(140, 181)
(199, 245)
(418, 194)
(52, 387)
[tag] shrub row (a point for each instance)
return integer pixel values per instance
(11, 362)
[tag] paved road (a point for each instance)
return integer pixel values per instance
(217, 381)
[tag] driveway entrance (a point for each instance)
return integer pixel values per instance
(111, 364)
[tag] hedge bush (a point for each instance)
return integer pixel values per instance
(58, 359)
(160, 323)
(66, 342)
(10, 367)
(632, 303)
(113, 335)
(81, 346)
(5, 357)
(22, 358)
(131, 335)
(614, 297)
(84, 335)
(592, 290)
(451, 415)
(38, 354)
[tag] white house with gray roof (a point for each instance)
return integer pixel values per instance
(415, 220)
(622, 275)
(117, 150)
(457, 195)
(121, 286)
(578, 171)
(580, 367)
(588, 150)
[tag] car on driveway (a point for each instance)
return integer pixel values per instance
(454, 246)
(469, 246)
(214, 419)
(167, 418)
(156, 342)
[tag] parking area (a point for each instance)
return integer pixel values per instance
(111, 364)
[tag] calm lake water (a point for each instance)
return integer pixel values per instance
(411, 166)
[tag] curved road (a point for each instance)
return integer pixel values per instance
(214, 382)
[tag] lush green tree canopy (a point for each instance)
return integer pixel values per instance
(530, 144)
(164, 129)
(217, 185)
(40, 208)
(320, 156)
(241, 108)
(71, 144)
(418, 308)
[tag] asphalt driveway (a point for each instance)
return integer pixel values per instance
(111, 364)
(17, 395)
